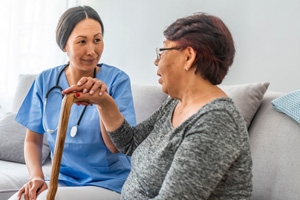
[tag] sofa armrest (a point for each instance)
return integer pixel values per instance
(274, 141)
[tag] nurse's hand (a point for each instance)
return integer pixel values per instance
(87, 85)
(32, 189)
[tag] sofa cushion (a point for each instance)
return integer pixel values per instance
(247, 98)
(274, 142)
(14, 175)
(12, 137)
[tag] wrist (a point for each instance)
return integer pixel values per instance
(37, 179)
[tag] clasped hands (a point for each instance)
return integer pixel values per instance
(88, 88)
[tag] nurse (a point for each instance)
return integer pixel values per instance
(90, 160)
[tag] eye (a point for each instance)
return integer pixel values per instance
(97, 40)
(81, 42)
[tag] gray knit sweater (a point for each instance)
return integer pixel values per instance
(206, 157)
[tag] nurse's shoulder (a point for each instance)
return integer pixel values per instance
(111, 72)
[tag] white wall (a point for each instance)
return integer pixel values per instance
(266, 34)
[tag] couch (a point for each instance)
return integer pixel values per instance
(274, 139)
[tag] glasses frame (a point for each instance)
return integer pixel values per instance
(160, 50)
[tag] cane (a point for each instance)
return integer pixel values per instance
(66, 105)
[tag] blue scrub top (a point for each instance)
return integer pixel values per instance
(86, 160)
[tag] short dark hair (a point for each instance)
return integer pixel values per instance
(70, 18)
(212, 41)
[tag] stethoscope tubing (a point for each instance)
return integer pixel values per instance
(60, 88)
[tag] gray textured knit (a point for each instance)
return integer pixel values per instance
(206, 157)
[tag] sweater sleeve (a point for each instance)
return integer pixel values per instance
(126, 138)
(201, 161)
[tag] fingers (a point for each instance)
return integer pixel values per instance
(26, 193)
(103, 89)
(97, 84)
(87, 85)
(91, 85)
(32, 189)
(21, 191)
(73, 88)
(43, 188)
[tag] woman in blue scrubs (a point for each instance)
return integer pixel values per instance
(89, 158)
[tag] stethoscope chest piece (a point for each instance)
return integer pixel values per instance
(73, 131)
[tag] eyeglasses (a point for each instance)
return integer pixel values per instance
(160, 50)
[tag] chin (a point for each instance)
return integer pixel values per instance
(164, 89)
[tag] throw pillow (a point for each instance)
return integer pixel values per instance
(247, 98)
(12, 137)
(288, 104)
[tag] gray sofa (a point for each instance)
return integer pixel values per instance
(274, 139)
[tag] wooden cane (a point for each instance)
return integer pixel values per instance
(66, 105)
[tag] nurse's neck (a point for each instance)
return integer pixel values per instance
(74, 74)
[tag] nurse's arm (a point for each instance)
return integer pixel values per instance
(33, 158)
(33, 154)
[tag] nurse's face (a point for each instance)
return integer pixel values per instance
(85, 45)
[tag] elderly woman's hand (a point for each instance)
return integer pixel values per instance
(88, 85)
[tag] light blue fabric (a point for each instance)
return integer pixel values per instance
(86, 160)
(289, 104)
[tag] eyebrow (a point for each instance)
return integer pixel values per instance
(86, 37)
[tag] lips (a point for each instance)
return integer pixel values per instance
(89, 61)
(160, 79)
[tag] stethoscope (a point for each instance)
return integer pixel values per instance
(74, 128)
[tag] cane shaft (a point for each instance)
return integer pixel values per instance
(67, 103)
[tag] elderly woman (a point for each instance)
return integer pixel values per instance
(195, 146)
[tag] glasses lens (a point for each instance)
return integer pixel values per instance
(52, 110)
(157, 53)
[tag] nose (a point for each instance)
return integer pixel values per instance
(90, 49)
(156, 61)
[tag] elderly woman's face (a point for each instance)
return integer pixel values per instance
(170, 67)
(85, 45)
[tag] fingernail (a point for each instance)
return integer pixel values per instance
(92, 92)
(100, 93)
(77, 94)
(85, 90)
(79, 83)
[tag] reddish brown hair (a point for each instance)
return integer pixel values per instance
(212, 41)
